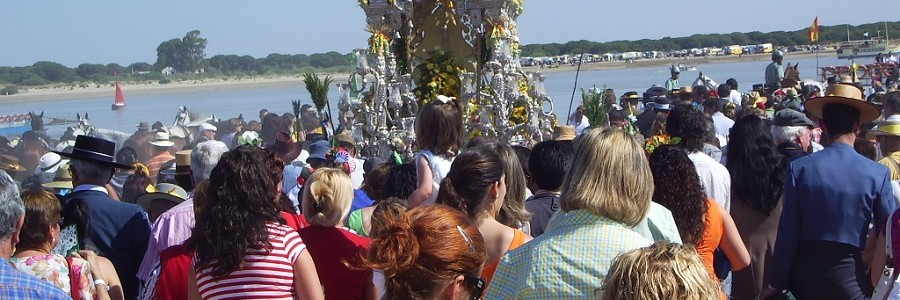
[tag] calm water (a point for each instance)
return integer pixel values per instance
(227, 104)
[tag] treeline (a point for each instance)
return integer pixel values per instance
(827, 35)
(45, 72)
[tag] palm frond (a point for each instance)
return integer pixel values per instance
(318, 89)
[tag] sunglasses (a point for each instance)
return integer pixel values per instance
(477, 285)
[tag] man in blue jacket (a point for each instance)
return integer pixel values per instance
(831, 197)
(119, 230)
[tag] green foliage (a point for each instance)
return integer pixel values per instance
(9, 90)
(185, 55)
(53, 72)
(827, 35)
(594, 109)
(318, 89)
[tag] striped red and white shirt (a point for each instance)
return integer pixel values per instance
(262, 276)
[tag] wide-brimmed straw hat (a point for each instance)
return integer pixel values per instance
(163, 191)
(94, 150)
(10, 163)
(162, 140)
(888, 127)
(564, 133)
(844, 94)
(62, 179)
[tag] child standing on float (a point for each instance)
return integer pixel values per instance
(438, 131)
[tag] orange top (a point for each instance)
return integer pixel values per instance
(712, 236)
(488, 271)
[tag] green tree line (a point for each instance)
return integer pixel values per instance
(187, 55)
(827, 35)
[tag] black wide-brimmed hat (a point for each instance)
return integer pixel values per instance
(94, 150)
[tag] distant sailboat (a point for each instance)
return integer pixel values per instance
(120, 98)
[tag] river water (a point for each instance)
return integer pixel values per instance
(227, 104)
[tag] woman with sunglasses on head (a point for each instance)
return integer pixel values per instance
(430, 252)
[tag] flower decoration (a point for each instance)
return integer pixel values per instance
(437, 75)
(251, 138)
(341, 158)
(656, 141)
(379, 42)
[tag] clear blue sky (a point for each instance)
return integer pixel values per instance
(104, 31)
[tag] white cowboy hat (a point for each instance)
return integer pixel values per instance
(162, 140)
(49, 163)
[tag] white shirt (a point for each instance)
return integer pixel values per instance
(714, 177)
(735, 97)
(723, 125)
(91, 187)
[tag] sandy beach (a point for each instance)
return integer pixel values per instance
(75, 91)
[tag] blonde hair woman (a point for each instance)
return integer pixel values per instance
(336, 250)
(662, 271)
(606, 191)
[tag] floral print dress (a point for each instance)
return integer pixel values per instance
(55, 268)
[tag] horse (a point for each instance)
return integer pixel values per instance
(228, 126)
(186, 123)
(29, 150)
(87, 129)
(792, 72)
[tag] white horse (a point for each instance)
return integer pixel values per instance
(186, 123)
(83, 127)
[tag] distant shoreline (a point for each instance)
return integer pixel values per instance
(64, 92)
(670, 61)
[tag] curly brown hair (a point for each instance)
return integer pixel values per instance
(240, 204)
(678, 189)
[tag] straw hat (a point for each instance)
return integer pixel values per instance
(182, 161)
(62, 179)
(162, 140)
(564, 133)
(10, 163)
(845, 94)
(163, 191)
(889, 127)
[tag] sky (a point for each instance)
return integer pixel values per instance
(124, 32)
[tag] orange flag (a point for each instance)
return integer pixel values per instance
(814, 31)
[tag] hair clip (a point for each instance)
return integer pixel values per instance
(466, 238)
(445, 99)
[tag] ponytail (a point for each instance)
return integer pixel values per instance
(449, 196)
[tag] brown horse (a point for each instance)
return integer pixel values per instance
(228, 126)
(29, 151)
(792, 72)
(140, 142)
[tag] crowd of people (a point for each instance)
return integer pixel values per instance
(685, 193)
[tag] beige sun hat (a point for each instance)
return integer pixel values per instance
(62, 179)
(846, 94)
(162, 140)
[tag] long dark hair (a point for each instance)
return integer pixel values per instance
(678, 189)
(756, 167)
(240, 203)
(470, 178)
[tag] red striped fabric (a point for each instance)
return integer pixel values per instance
(263, 275)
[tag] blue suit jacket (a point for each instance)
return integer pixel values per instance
(831, 195)
(121, 232)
